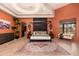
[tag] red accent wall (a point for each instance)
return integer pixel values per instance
(66, 12)
(6, 16)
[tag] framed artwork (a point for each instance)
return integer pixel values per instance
(4, 24)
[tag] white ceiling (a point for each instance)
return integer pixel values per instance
(31, 9)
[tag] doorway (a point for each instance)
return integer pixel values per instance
(23, 29)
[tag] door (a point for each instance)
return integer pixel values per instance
(23, 29)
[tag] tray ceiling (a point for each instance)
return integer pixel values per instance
(31, 9)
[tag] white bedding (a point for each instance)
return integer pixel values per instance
(40, 37)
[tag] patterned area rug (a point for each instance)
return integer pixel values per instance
(42, 48)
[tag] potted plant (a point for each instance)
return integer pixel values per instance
(51, 34)
(29, 27)
(50, 25)
(16, 21)
(13, 27)
(16, 34)
(61, 35)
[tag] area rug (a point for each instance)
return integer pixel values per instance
(42, 48)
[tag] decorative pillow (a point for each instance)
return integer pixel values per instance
(39, 32)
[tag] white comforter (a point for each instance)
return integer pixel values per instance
(40, 37)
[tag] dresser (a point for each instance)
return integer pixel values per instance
(6, 37)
